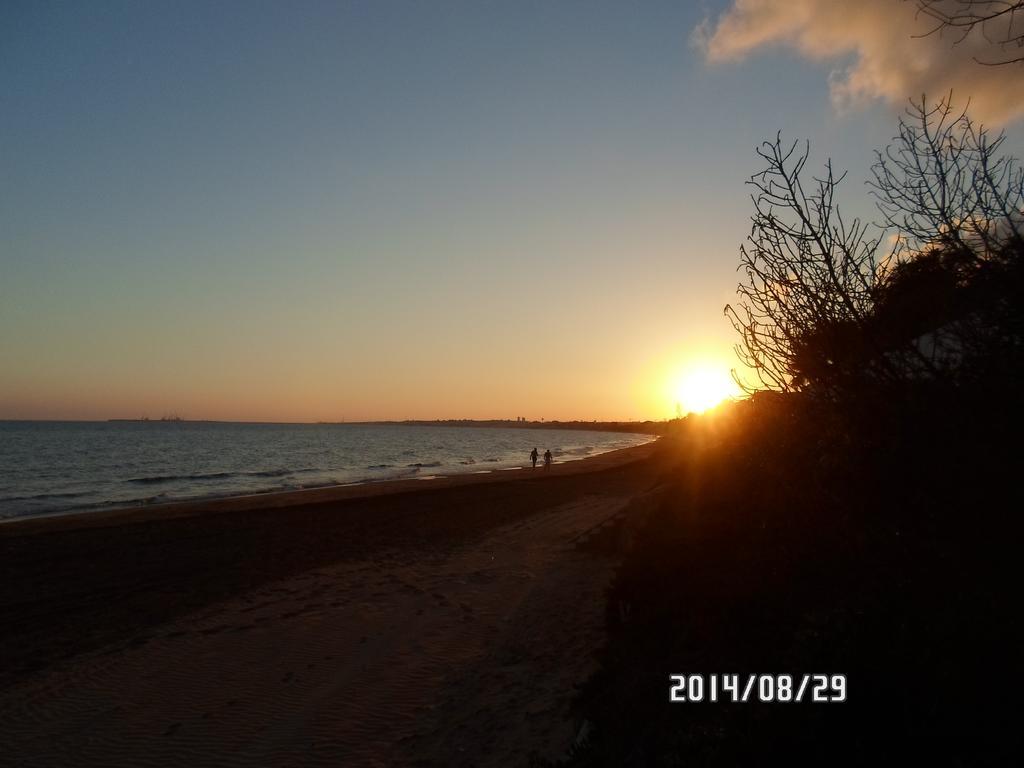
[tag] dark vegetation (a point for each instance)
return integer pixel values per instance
(860, 513)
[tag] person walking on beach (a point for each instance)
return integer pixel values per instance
(547, 459)
(533, 457)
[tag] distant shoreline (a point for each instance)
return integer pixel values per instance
(648, 427)
(632, 427)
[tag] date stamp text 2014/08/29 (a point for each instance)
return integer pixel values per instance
(781, 689)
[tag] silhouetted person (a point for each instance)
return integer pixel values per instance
(533, 457)
(547, 459)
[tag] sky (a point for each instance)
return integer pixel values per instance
(304, 211)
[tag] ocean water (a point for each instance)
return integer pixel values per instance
(51, 467)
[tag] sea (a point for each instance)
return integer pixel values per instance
(49, 467)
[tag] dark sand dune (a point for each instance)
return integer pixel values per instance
(452, 637)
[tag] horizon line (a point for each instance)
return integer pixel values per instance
(327, 422)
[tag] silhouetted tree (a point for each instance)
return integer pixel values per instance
(957, 207)
(943, 184)
(1001, 22)
(808, 280)
(839, 309)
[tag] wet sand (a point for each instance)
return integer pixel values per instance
(429, 623)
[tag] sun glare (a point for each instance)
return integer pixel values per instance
(700, 389)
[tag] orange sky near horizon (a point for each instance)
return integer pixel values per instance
(430, 382)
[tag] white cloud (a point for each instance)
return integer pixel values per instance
(888, 61)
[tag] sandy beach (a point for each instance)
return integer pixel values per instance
(414, 623)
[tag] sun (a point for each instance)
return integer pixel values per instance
(699, 389)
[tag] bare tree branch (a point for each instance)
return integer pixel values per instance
(1000, 22)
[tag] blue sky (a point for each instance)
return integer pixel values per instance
(301, 211)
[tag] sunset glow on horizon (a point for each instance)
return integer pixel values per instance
(702, 387)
